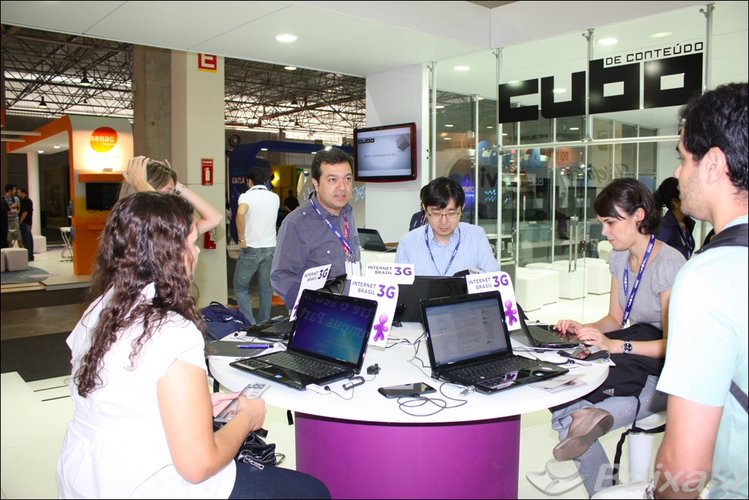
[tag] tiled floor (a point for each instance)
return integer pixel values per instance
(34, 417)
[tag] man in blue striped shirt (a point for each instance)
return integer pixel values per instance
(445, 246)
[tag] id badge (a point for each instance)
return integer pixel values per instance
(353, 268)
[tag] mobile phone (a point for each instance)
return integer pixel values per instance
(399, 391)
(580, 353)
(250, 391)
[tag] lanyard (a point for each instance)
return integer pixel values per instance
(636, 286)
(452, 258)
(687, 240)
(342, 237)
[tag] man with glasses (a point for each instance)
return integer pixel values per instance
(445, 246)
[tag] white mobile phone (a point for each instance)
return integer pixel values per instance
(251, 391)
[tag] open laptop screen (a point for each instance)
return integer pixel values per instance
(333, 326)
(467, 327)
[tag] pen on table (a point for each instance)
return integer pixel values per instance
(253, 346)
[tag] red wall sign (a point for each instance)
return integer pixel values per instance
(206, 171)
(207, 62)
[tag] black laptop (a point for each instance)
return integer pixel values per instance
(370, 239)
(327, 342)
(468, 345)
(542, 336)
(408, 307)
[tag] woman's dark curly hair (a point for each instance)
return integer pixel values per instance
(144, 241)
(629, 195)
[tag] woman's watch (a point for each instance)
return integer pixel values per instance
(627, 347)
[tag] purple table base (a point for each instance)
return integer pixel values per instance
(380, 460)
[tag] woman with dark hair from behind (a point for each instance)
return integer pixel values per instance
(676, 227)
(143, 424)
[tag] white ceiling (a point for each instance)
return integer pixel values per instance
(357, 38)
(364, 38)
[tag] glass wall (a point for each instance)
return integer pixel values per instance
(534, 132)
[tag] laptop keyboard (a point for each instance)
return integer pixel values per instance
(299, 364)
(541, 334)
(494, 371)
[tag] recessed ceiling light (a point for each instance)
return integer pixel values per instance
(286, 38)
(439, 106)
(609, 40)
(447, 138)
(263, 149)
(559, 91)
(56, 146)
(41, 151)
(449, 125)
(290, 68)
(504, 134)
(574, 128)
(462, 68)
(490, 126)
(661, 34)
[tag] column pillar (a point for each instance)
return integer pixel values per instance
(152, 102)
(32, 189)
(197, 135)
(398, 96)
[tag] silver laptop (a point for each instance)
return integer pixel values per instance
(469, 345)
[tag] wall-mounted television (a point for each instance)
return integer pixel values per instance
(386, 153)
(101, 195)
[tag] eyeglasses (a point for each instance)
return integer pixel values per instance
(449, 215)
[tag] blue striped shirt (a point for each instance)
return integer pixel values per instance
(474, 252)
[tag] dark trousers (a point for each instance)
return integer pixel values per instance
(28, 240)
(275, 482)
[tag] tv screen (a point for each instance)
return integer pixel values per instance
(101, 195)
(386, 153)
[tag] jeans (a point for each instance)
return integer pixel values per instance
(251, 261)
(28, 240)
(594, 466)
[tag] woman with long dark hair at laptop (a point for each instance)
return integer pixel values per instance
(143, 422)
(643, 270)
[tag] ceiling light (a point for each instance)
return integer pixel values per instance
(56, 146)
(85, 82)
(40, 151)
(559, 91)
(290, 68)
(574, 128)
(609, 40)
(490, 126)
(661, 34)
(447, 138)
(286, 38)
(462, 68)
(42, 103)
(449, 125)
(439, 106)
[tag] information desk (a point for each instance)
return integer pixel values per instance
(367, 447)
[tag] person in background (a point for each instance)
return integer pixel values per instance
(143, 421)
(676, 227)
(290, 202)
(25, 219)
(705, 374)
(144, 174)
(4, 223)
(14, 206)
(643, 270)
(256, 229)
(445, 246)
(322, 230)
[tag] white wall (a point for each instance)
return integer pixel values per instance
(398, 96)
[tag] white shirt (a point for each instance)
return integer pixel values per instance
(260, 218)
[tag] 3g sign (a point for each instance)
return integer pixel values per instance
(402, 271)
(386, 291)
(628, 75)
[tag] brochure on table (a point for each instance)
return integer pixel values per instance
(500, 281)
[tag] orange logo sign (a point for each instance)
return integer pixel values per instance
(103, 139)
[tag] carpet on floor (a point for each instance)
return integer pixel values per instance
(36, 358)
(30, 275)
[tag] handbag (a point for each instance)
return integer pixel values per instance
(255, 451)
(631, 371)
